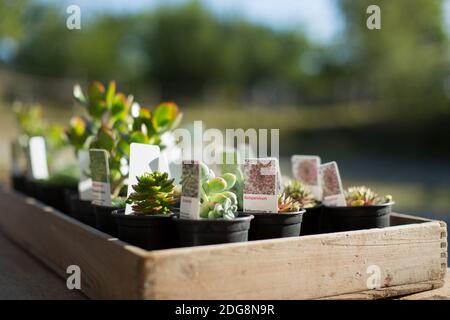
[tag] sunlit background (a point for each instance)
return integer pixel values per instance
(376, 101)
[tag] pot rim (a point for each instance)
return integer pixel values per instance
(121, 214)
(302, 211)
(379, 206)
(244, 217)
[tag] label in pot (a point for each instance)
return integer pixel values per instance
(261, 185)
(306, 170)
(85, 183)
(330, 180)
(38, 158)
(143, 158)
(101, 188)
(190, 190)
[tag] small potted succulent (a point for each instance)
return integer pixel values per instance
(286, 223)
(218, 221)
(51, 190)
(365, 210)
(313, 208)
(150, 225)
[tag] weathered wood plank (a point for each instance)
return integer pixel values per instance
(292, 268)
(299, 268)
(109, 267)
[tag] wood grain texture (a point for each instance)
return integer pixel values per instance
(411, 257)
(22, 277)
(109, 268)
(300, 268)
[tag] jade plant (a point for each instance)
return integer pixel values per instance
(217, 199)
(299, 192)
(363, 196)
(153, 194)
(110, 124)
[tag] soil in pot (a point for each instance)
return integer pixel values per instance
(150, 232)
(311, 221)
(104, 220)
(336, 219)
(212, 231)
(82, 210)
(18, 183)
(276, 225)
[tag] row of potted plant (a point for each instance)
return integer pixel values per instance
(113, 121)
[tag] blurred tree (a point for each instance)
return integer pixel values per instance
(405, 63)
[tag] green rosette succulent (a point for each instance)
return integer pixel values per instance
(153, 194)
(363, 196)
(299, 192)
(288, 204)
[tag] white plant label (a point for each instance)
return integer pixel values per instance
(38, 158)
(143, 158)
(261, 185)
(101, 188)
(330, 179)
(306, 170)
(85, 183)
(190, 190)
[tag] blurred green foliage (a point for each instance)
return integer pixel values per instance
(184, 51)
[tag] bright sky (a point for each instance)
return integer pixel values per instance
(320, 19)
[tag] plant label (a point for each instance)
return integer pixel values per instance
(101, 188)
(190, 190)
(85, 183)
(38, 158)
(143, 158)
(260, 185)
(306, 170)
(330, 180)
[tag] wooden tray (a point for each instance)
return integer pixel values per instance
(411, 254)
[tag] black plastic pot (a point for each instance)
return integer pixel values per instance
(30, 187)
(82, 210)
(311, 221)
(336, 219)
(150, 232)
(18, 183)
(212, 231)
(54, 195)
(104, 220)
(276, 225)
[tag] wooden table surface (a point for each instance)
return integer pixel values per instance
(24, 277)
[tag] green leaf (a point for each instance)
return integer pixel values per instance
(104, 140)
(110, 94)
(216, 185)
(164, 116)
(139, 137)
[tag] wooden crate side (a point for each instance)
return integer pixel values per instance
(390, 292)
(300, 268)
(109, 268)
